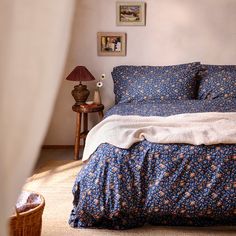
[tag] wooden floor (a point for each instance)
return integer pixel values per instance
(54, 177)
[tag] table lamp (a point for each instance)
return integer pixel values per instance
(80, 92)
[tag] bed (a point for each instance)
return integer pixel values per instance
(176, 180)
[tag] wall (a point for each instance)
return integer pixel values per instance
(176, 31)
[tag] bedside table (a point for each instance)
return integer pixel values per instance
(82, 113)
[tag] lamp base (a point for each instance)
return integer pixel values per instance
(80, 94)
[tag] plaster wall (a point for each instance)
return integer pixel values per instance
(176, 31)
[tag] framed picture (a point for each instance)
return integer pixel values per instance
(111, 43)
(130, 13)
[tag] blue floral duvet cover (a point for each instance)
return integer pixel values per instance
(159, 184)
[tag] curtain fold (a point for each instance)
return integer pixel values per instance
(34, 40)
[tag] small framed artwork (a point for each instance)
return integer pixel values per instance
(130, 13)
(111, 43)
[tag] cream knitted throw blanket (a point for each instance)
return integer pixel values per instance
(191, 128)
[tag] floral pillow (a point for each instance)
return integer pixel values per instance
(144, 83)
(217, 81)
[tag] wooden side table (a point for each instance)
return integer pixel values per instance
(82, 113)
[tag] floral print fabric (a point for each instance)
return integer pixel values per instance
(144, 83)
(175, 184)
(217, 81)
(159, 184)
(167, 108)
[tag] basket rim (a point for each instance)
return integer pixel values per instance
(25, 213)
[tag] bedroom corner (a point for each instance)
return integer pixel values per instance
(151, 150)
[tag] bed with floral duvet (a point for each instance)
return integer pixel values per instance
(160, 183)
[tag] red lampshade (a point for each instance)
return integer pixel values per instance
(80, 73)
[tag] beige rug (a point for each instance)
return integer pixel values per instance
(54, 177)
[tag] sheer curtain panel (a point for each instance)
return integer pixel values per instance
(34, 39)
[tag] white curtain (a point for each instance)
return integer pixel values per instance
(34, 37)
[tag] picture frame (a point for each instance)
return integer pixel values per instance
(111, 44)
(130, 13)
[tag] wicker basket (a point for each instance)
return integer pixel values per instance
(28, 223)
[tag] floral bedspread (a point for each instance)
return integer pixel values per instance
(167, 108)
(159, 184)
